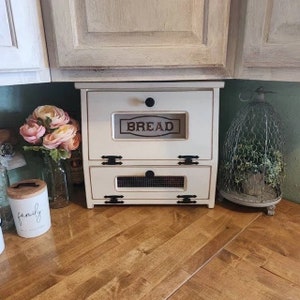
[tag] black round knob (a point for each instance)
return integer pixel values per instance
(149, 174)
(149, 102)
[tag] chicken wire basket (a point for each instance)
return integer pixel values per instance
(251, 168)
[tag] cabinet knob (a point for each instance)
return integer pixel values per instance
(149, 174)
(149, 102)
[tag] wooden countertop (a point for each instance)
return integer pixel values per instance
(156, 252)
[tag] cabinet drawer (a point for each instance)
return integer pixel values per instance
(173, 123)
(151, 184)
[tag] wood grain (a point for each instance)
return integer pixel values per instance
(157, 41)
(268, 43)
(261, 263)
(156, 252)
(135, 33)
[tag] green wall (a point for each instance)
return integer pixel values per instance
(17, 102)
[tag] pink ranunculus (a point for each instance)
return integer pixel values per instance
(31, 120)
(72, 144)
(75, 123)
(59, 136)
(32, 133)
(57, 116)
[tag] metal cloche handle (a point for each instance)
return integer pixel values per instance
(258, 94)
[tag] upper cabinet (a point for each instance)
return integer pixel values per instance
(269, 40)
(23, 56)
(149, 40)
(137, 39)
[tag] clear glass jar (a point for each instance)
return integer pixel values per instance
(56, 174)
(5, 211)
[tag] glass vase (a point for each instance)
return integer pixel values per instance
(56, 174)
(5, 210)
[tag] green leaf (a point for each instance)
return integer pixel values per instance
(58, 154)
(32, 148)
(55, 154)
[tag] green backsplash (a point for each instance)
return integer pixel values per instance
(17, 102)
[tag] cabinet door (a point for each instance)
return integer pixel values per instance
(22, 45)
(270, 40)
(112, 34)
(180, 122)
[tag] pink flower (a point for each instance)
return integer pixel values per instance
(57, 116)
(59, 136)
(72, 144)
(31, 120)
(49, 128)
(75, 123)
(32, 133)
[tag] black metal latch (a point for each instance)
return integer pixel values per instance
(111, 160)
(186, 199)
(114, 199)
(188, 160)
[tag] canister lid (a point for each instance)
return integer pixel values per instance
(26, 189)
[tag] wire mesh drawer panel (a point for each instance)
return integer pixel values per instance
(150, 142)
(150, 181)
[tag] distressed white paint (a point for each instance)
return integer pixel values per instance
(269, 42)
(7, 30)
(22, 45)
(137, 39)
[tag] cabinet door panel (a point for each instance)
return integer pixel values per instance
(140, 33)
(274, 37)
(7, 33)
(271, 41)
(284, 22)
(22, 47)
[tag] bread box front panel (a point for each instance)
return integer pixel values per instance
(149, 125)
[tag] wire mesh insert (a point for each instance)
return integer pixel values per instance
(150, 182)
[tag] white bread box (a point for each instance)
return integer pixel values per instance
(150, 142)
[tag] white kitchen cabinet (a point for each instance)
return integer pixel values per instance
(147, 40)
(269, 40)
(23, 56)
(137, 40)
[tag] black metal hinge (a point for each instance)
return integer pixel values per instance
(111, 160)
(113, 199)
(186, 199)
(188, 159)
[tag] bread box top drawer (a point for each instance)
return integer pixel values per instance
(145, 125)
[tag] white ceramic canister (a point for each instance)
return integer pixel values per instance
(29, 204)
(2, 245)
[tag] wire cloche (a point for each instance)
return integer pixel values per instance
(251, 168)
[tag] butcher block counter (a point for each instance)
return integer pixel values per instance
(156, 252)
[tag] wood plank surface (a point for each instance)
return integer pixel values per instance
(263, 262)
(156, 252)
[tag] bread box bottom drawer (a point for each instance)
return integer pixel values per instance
(150, 185)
